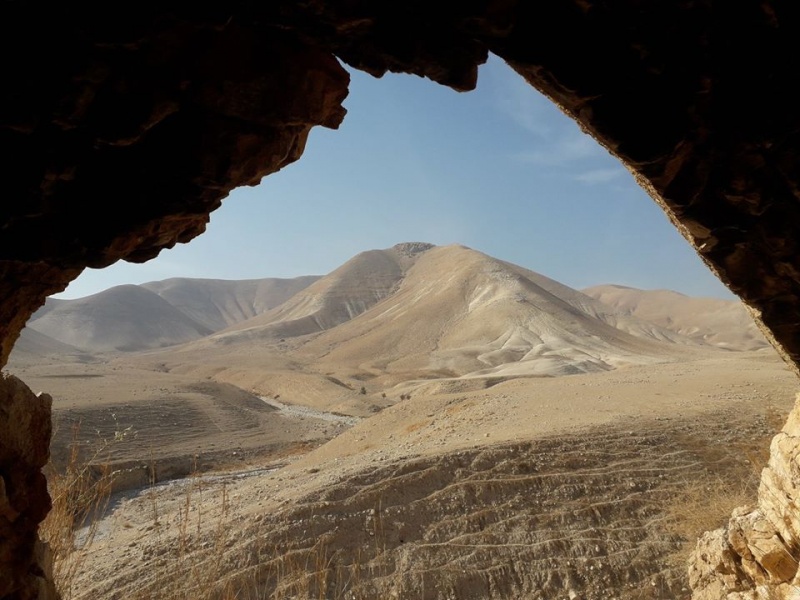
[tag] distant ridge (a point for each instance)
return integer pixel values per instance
(414, 309)
(217, 303)
(122, 318)
(712, 321)
(35, 344)
(159, 313)
(343, 294)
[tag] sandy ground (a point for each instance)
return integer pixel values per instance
(183, 420)
(156, 426)
(625, 440)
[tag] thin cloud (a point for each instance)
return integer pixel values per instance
(517, 100)
(599, 176)
(563, 152)
(556, 141)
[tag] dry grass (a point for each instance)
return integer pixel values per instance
(205, 563)
(199, 562)
(704, 506)
(193, 565)
(706, 503)
(80, 494)
(199, 555)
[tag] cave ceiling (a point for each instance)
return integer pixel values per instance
(123, 127)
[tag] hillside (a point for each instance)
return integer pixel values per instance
(712, 321)
(345, 293)
(156, 314)
(35, 346)
(217, 303)
(123, 318)
(452, 312)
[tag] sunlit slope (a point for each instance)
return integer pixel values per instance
(33, 345)
(460, 312)
(217, 304)
(122, 318)
(345, 293)
(720, 323)
(411, 311)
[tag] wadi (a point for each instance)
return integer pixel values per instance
(422, 422)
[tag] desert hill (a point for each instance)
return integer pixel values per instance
(217, 303)
(159, 313)
(721, 323)
(410, 312)
(546, 488)
(34, 345)
(122, 318)
(345, 293)
(451, 312)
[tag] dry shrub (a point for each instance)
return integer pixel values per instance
(80, 493)
(702, 506)
(706, 503)
(201, 561)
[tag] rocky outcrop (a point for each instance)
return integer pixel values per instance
(24, 502)
(756, 556)
(121, 129)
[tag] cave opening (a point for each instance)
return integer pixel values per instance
(593, 176)
(185, 107)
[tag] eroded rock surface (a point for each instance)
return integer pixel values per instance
(24, 502)
(576, 515)
(121, 130)
(757, 554)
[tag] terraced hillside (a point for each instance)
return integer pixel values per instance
(595, 514)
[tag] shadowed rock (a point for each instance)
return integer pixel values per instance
(123, 128)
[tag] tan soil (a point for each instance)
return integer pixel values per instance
(528, 488)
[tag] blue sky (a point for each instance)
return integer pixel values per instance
(499, 169)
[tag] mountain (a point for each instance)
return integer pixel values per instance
(217, 303)
(156, 314)
(345, 293)
(34, 344)
(459, 312)
(712, 321)
(411, 311)
(452, 311)
(122, 318)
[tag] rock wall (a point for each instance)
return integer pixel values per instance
(24, 502)
(143, 118)
(756, 556)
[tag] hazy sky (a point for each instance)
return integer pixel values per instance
(499, 169)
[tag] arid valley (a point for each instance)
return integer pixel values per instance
(423, 422)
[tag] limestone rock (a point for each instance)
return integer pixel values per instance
(758, 552)
(764, 556)
(714, 567)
